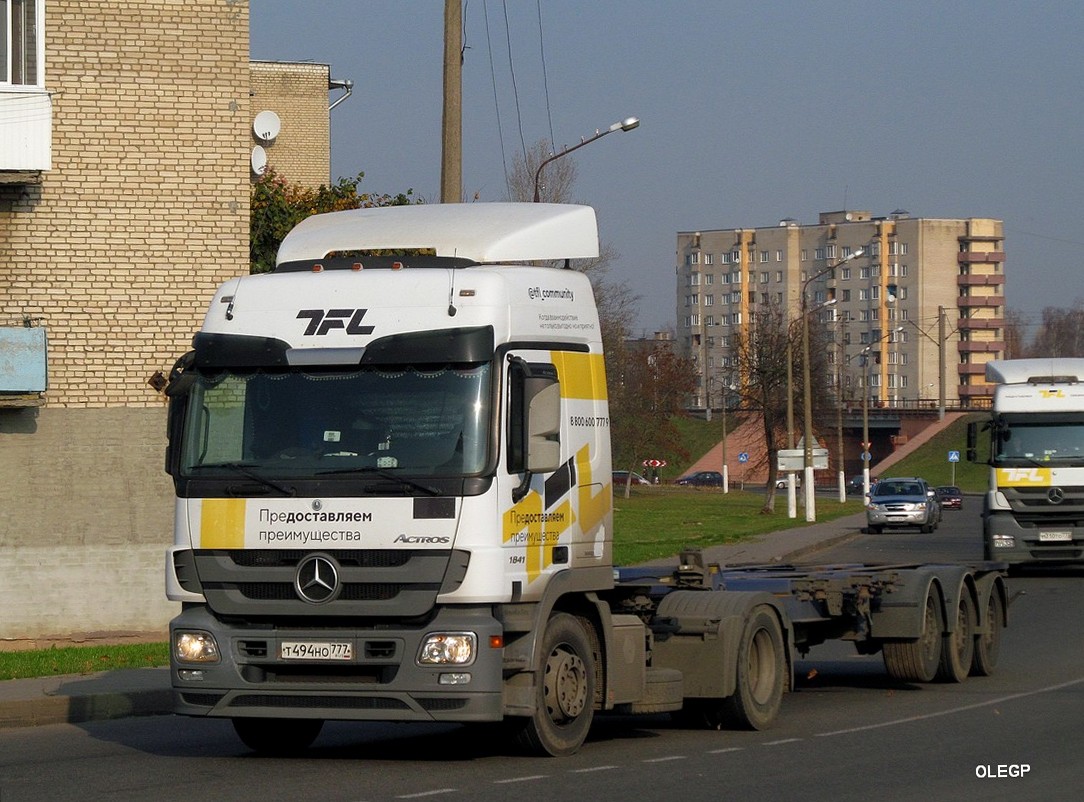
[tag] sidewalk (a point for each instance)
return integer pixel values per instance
(145, 691)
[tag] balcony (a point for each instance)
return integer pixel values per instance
(980, 347)
(974, 324)
(26, 135)
(981, 280)
(971, 301)
(980, 257)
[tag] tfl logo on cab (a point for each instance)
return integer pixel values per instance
(322, 321)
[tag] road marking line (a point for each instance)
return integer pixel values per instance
(529, 778)
(782, 741)
(728, 749)
(421, 794)
(593, 768)
(666, 759)
(954, 710)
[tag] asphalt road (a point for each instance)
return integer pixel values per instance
(847, 732)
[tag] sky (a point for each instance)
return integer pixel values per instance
(750, 112)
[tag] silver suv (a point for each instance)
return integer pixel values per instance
(906, 501)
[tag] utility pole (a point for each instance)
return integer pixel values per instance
(451, 167)
(941, 365)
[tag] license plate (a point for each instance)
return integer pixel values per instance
(1055, 537)
(316, 650)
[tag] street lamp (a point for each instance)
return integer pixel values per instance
(807, 401)
(625, 125)
(865, 416)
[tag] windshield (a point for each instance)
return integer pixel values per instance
(1032, 443)
(893, 488)
(286, 422)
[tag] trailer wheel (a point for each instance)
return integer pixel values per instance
(277, 737)
(761, 674)
(565, 691)
(917, 660)
(988, 644)
(959, 647)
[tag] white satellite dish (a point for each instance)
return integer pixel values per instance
(259, 160)
(266, 126)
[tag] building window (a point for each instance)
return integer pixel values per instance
(709, 300)
(764, 256)
(831, 251)
(694, 279)
(764, 277)
(735, 257)
(22, 52)
(805, 254)
(779, 256)
(707, 258)
(818, 253)
(778, 275)
(724, 258)
(709, 278)
(844, 273)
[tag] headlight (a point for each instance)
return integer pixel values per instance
(447, 648)
(195, 646)
(920, 506)
(1003, 541)
(875, 507)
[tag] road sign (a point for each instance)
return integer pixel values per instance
(867, 446)
(954, 456)
(793, 459)
(743, 456)
(866, 456)
(654, 463)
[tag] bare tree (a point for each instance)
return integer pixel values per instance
(761, 355)
(1061, 333)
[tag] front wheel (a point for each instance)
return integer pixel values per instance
(278, 737)
(565, 691)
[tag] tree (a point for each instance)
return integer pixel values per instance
(277, 206)
(1061, 333)
(647, 389)
(761, 357)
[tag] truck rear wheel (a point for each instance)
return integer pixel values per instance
(565, 691)
(988, 644)
(278, 737)
(917, 660)
(761, 673)
(959, 647)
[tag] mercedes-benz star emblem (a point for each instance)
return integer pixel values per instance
(317, 580)
(1055, 495)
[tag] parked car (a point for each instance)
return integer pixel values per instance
(950, 497)
(902, 501)
(854, 485)
(622, 477)
(702, 479)
(781, 482)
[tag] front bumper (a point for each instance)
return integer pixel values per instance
(896, 518)
(1007, 541)
(382, 682)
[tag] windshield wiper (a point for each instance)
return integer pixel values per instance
(245, 468)
(385, 474)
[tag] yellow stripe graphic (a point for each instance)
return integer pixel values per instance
(581, 375)
(222, 523)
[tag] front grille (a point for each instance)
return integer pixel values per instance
(201, 699)
(378, 582)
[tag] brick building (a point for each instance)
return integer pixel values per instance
(124, 191)
(297, 95)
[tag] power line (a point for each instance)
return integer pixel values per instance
(545, 75)
(496, 100)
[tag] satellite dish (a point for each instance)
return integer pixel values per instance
(259, 160)
(266, 126)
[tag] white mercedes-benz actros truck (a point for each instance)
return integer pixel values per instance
(392, 467)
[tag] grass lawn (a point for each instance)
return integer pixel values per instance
(660, 521)
(81, 659)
